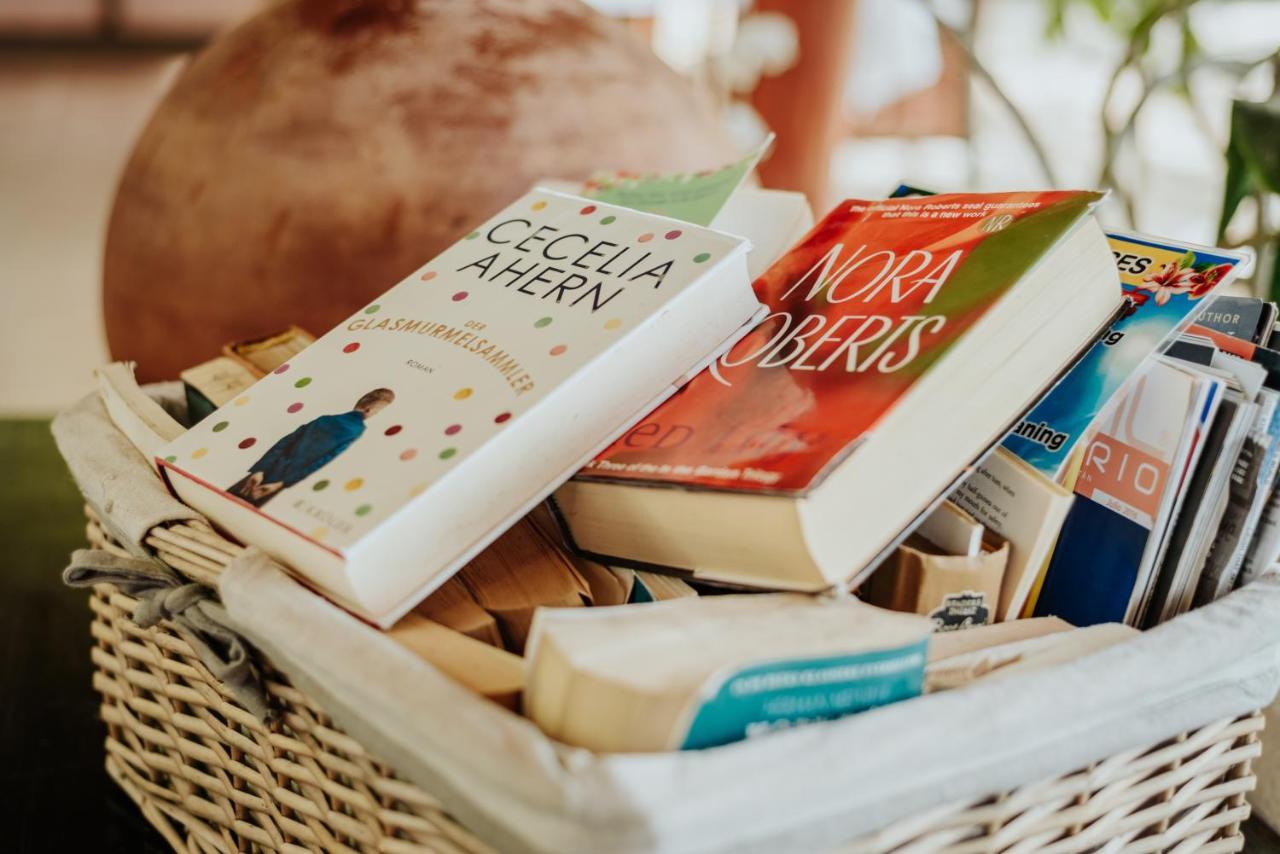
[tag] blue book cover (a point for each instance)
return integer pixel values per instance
(1128, 485)
(1166, 284)
(1088, 584)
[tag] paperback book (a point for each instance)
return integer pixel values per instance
(1132, 474)
(697, 198)
(1247, 318)
(1252, 479)
(772, 220)
(1204, 500)
(1024, 507)
(699, 672)
(1168, 285)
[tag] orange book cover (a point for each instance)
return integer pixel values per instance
(1224, 342)
(860, 310)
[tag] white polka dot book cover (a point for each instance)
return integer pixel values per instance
(382, 458)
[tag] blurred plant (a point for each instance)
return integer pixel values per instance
(1253, 152)
(1253, 172)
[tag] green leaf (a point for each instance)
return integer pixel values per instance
(1253, 154)
(1190, 46)
(1104, 9)
(1056, 24)
(1255, 127)
(1238, 185)
(1140, 35)
(1186, 260)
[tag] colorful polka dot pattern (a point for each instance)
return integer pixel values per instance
(414, 455)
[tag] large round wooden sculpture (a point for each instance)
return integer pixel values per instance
(312, 157)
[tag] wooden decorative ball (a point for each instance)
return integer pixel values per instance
(310, 158)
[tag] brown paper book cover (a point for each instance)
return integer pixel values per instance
(955, 591)
(519, 572)
(452, 605)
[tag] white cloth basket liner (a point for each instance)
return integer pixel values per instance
(803, 789)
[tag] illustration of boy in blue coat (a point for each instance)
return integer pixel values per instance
(307, 449)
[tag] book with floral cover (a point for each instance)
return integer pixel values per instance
(905, 338)
(1168, 285)
(379, 460)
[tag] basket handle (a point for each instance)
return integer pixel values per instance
(193, 609)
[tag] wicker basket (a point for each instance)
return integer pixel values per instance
(211, 777)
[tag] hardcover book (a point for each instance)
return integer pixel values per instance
(379, 460)
(904, 338)
(1167, 284)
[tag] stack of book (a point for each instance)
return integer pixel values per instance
(535, 459)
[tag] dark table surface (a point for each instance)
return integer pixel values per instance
(57, 795)
(55, 791)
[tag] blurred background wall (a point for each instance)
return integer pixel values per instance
(953, 94)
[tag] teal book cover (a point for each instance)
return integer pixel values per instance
(751, 701)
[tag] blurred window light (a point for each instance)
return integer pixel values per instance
(51, 18)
